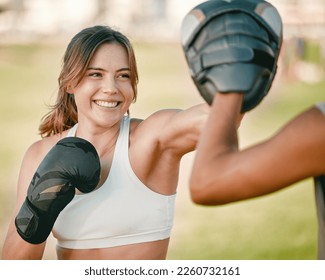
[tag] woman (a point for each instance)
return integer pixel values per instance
(130, 213)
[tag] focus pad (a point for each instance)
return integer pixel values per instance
(233, 47)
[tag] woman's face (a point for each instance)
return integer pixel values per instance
(105, 92)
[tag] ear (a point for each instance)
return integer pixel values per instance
(70, 89)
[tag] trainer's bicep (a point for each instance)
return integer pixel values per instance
(249, 173)
(294, 153)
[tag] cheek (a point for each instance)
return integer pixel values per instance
(83, 95)
(128, 91)
(85, 90)
(82, 103)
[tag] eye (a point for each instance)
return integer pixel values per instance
(124, 75)
(95, 74)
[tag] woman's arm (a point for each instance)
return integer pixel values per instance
(158, 143)
(223, 174)
(174, 130)
(14, 246)
(181, 130)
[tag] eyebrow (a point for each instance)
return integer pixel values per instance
(101, 69)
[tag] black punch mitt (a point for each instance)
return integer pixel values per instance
(233, 46)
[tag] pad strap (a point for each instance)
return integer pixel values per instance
(236, 55)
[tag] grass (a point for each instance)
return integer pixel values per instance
(278, 226)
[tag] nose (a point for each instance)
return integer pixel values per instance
(109, 85)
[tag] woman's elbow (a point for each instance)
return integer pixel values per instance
(203, 193)
(197, 197)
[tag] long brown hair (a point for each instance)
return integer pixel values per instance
(63, 114)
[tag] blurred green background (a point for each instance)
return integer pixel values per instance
(279, 226)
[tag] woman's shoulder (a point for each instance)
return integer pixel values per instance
(154, 120)
(149, 126)
(40, 148)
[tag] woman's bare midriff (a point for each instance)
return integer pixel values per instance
(155, 250)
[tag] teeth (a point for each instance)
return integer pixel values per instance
(106, 103)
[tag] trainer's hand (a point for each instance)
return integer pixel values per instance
(72, 163)
(233, 46)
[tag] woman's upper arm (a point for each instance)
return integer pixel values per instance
(180, 130)
(296, 152)
(173, 130)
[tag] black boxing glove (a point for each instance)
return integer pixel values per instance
(233, 46)
(72, 163)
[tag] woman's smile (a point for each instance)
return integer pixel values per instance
(107, 104)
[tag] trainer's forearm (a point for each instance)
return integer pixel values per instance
(220, 133)
(217, 141)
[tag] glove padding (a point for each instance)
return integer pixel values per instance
(72, 163)
(233, 46)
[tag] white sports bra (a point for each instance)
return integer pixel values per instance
(122, 211)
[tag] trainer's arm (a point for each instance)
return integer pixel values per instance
(223, 174)
(14, 246)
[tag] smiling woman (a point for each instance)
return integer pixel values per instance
(127, 210)
(97, 94)
(80, 64)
